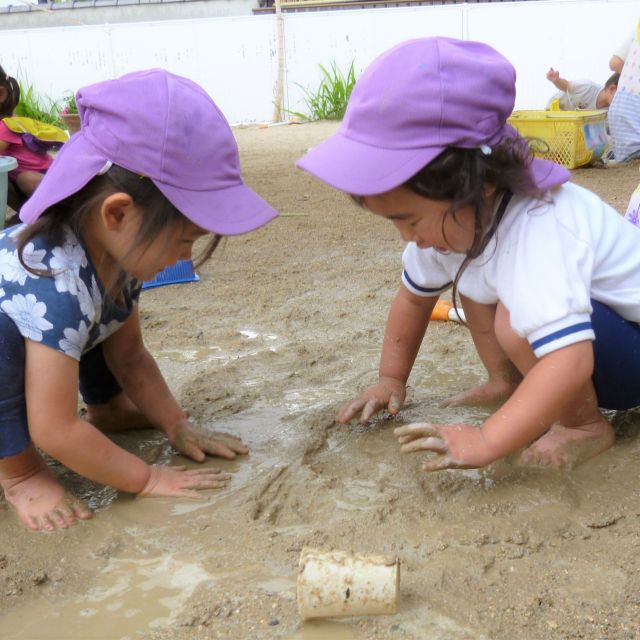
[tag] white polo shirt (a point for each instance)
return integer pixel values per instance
(546, 261)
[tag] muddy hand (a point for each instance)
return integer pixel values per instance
(196, 442)
(183, 483)
(459, 446)
(388, 393)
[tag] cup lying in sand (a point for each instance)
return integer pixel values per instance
(337, 583)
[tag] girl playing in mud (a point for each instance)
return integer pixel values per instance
(154, 168)
(425, 144)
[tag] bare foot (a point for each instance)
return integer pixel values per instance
(491, 392)
(41, 502)
(119, 414)
(564, 447)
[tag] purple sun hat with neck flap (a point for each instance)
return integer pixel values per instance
(164, 127)
(413, 102)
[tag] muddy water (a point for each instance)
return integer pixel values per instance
(135, 594)
(352, 481)
(147, 587)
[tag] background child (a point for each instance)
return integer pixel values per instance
(154, 168)
(582, 94)
(624, 114)
(31, 164)
(425, 144)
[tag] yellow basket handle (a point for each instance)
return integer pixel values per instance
(555, 105)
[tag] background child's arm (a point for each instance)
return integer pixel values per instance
(503, 375)
(540, 399)
(51, 387)
(559, 83)
(407, 322)
(140, 377)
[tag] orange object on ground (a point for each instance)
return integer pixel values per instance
(444, 310)
(441, 310)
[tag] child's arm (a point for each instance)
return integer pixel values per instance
(51, 388)
(503, 375)
(540, 399)
(138, 374)
(3, 145)
(407, 322)
(559, 83)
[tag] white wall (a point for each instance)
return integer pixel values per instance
(234, 58)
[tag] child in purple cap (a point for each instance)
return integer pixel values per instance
(154, 168)
(548, 274)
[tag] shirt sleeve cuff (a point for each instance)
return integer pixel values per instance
(570, 330)
(423, 291)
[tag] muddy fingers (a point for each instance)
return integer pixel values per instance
(181, 482)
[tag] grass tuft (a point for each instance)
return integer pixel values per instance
(36, 106)
(329, 100)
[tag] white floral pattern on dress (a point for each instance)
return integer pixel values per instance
(67, 310)
(74, 340)
(28, 314)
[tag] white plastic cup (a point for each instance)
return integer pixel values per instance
(337, 583)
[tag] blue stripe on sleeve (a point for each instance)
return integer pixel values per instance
(424, 289)
(574, 328)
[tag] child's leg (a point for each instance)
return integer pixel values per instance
(108, 407)
(29, 486)
(27, 181)
(580, 433)
(38, 498)
(503, 376)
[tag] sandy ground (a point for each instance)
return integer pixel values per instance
(284, 326)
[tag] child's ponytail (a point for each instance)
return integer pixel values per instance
(9, 104)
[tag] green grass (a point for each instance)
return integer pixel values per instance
(36, 106)
(329, 100)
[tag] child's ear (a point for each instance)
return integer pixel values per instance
(116, 210)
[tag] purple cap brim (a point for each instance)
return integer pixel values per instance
(360, 169)
(364, 170)
(210, 209)
(79, 161)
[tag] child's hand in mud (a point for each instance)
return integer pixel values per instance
(459, 446)
(182, 483)
(196, 442)
(388, 393)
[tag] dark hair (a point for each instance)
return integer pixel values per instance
(461, 176)
(73, 212)
(612, 79)
(9, 104)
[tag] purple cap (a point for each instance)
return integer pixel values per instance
(164, 127)
(413, 102)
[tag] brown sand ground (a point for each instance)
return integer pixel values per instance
(285, 326)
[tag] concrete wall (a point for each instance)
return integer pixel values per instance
(23, 14)
(235, 59)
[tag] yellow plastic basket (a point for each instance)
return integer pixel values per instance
(570, 138)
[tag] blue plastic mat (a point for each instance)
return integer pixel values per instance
(181, 271)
